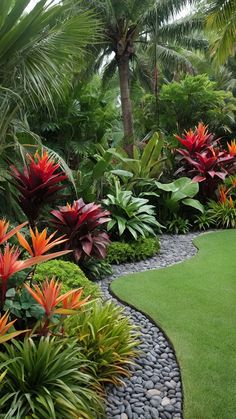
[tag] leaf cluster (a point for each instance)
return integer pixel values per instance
(141, 249)
(106, 338)
(69, 274)
(47, 378)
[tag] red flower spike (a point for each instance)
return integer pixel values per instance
(222, 194)
(196, 140)
(38, 183)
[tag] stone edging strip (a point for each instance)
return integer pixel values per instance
(154, 389)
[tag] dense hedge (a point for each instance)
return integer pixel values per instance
(120, 252)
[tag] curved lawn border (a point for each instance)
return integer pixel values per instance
(210, 394)
(166, 400)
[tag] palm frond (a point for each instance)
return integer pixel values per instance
(222, 19)
(169, 56)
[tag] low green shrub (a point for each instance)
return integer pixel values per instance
(106, 338)
(143, 248)
(96, 269)
(178, 225)
(47, 379)
(223, 214)
(69, 274)
(204, 221)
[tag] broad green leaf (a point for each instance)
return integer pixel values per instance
(147, 152)
(193, 203)
(100, 168)
(120, 172)
(167, 187)
(186, 188)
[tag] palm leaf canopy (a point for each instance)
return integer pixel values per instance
(222, 19)
(150, 26)
(38, 46)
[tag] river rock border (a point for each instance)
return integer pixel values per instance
(154, 389)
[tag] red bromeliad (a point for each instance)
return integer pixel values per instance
(37, 184)
(204, 161)
(196, 140)
(81, 223)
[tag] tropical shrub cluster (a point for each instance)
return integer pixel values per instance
(60, 376)
(97, 158)
(121, 252)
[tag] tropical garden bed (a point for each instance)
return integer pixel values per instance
(117, 146)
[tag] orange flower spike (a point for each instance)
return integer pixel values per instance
(231, 202)
(47, 296)
(4, 326)
(4, 236)
(9, 263)
(73, 301)
(232, 148)
(40, 243)
(233, 182)
(222, 194)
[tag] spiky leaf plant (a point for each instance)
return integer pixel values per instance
(47, 380)
(106, 338)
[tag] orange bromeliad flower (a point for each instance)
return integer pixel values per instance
(10, 264)
(4, 236)
(40, 243)
(222, 194)
(232, 148)
(73, 301)
(4, 327)
(48, 296)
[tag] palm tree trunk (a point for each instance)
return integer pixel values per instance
(123, 66)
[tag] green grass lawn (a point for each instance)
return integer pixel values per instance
(195, 304)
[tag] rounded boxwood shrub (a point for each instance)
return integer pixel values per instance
(69, 274)
(143, 248)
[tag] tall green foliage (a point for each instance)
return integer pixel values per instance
(196, 99)
(128, 23)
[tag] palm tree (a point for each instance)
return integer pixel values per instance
(128, 23)
(222, 19)
(37, 55)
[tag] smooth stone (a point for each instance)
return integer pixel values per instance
(155, 401)
(149, 385)
(138, 410)
(165, 402)
(153, 392)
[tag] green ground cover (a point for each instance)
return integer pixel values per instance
(195, 304)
